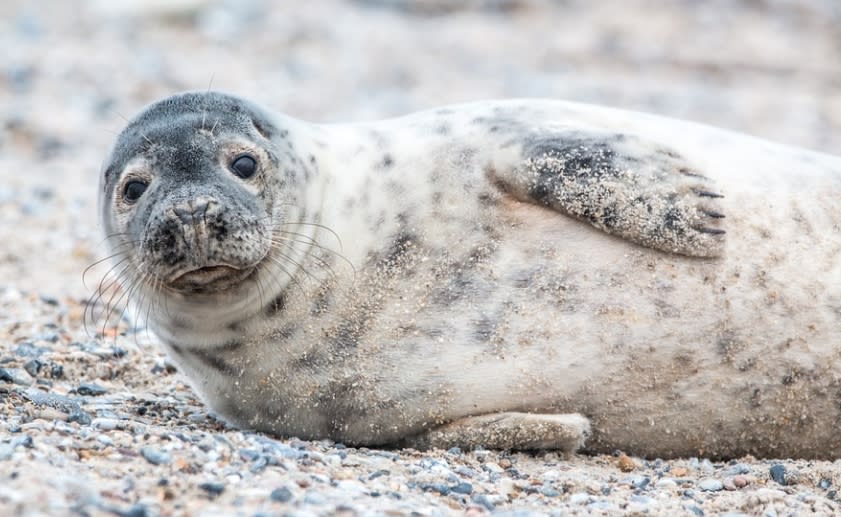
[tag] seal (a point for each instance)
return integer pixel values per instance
(517, 274)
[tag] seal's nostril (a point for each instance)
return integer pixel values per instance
(193, 210)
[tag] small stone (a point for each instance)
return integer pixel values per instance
(315, 498)
(778, 473)
(740, 481)
(281, 495)
(154, 456)
(213, 488)
(579, 498)
(435, 487)
(6, 451)
(138, 510)
(505, 463)
(729, 484)
(91, 390)
(27, 349)
(23, 441)
(738, 468)
(454, 450)
(625, 463)
(641, 499)
(640, 482)
(80, 417)
(462, 488)
(679, 471)
(665, 483)
(484, 501)
(696, 510)
(33, 367)
(710, 485)
(17, 376)
(548, 491)
(106, 424)
(824, 484)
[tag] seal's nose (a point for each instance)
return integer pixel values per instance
(192, 211)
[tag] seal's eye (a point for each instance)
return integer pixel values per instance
(133, 190)
(244, 166)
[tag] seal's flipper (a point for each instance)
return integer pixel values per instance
(511, 431)
(623, 185)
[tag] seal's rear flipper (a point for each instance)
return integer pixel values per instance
(621, 184)
(510, 431)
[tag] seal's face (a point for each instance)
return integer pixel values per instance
(190, 194)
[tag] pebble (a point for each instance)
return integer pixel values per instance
(640, 482)
(665, 483)
(579, 498)
(462, 488)
(106, 424)
(740, 481)
(710, 485)
(91, 390)
(484, 501)
(154, 456)
(778, 473)
(17, 376)
(281, 495)
(213, 488)
(625, 463)
(6, 451)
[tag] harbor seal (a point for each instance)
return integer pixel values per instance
(517, 274)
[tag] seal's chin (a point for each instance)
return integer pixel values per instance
(210, 279)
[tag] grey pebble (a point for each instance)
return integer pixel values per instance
(640, 482)
(154, 456)
(27, 349)
(281, 495)
(778, 473)
(213, 488)
(462, 488)
(91, 390)
(602, 506)
(23, 441)
(313, 497)
(15, 375)
(738, 468)
(696, 510)
(641, 499)
(6, 451)
(549, 491)
(484, 501)
(60, 402)
(710, 485)
(579, 498)
(824, 484)
(106, 424)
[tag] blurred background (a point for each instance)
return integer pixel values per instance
(71, 72)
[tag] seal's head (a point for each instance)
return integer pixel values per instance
(191, 193)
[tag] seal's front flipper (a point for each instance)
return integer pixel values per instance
(621, 184)
(510, 431)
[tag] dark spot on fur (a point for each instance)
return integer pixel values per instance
(211, 360)
(484, 329)
(276, 306)
(386, 162)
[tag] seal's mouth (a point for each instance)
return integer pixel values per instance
(210, 279)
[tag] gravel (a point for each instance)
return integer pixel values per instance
(95, 421)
